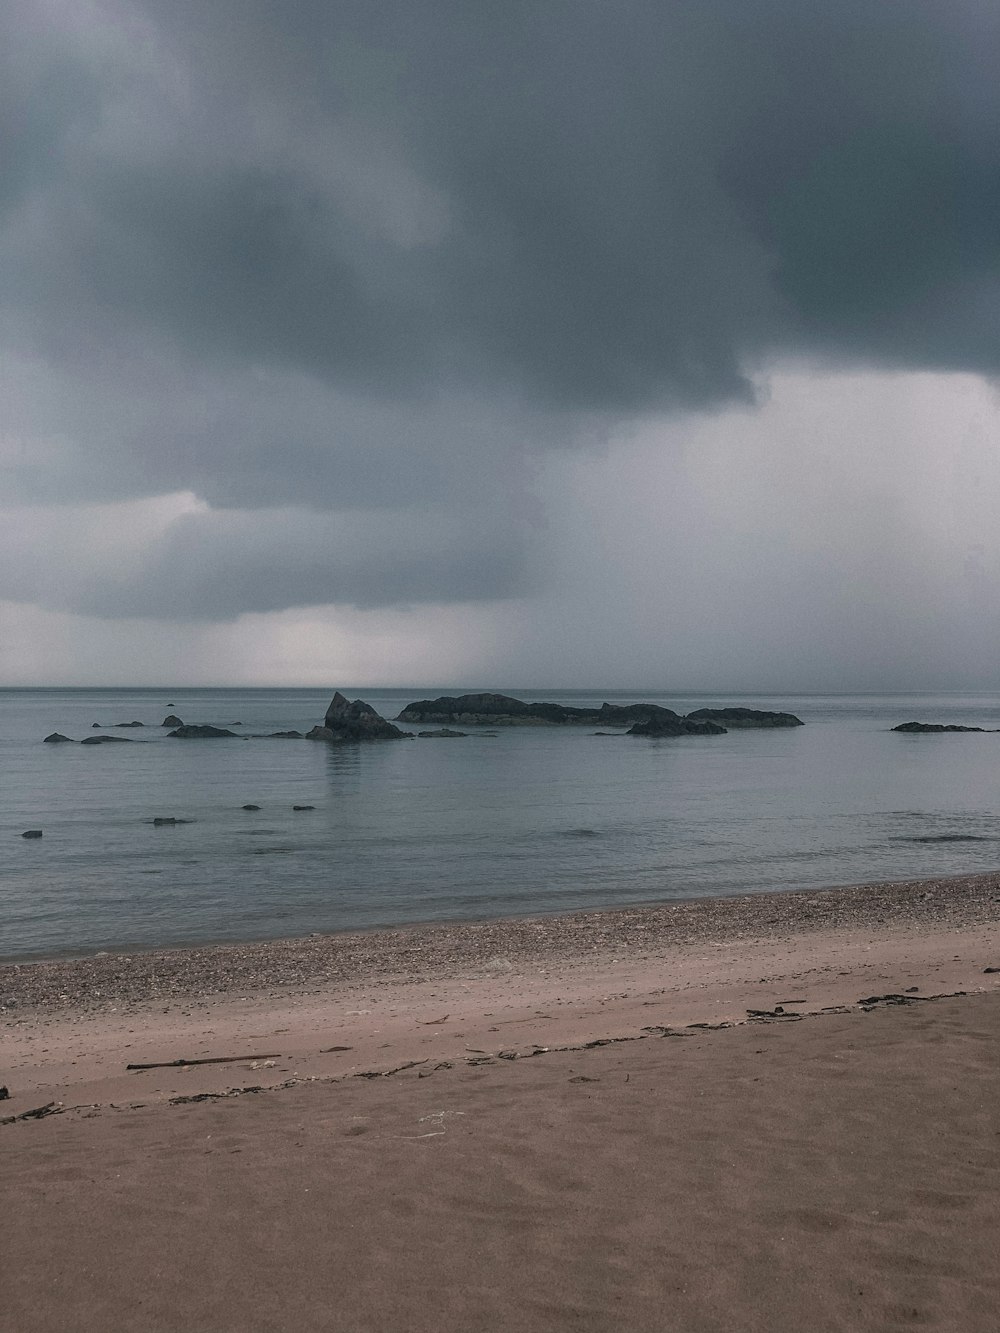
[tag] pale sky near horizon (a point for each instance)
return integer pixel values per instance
(648, 345)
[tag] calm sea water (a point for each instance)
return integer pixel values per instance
(529, 821)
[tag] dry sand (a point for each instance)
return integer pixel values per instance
(521, 1128)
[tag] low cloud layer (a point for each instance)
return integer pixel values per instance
(343, 275)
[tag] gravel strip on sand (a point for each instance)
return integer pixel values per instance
(414, 953)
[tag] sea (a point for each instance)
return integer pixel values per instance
(526, 821)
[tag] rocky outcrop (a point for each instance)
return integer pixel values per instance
(171, 720)
(32, 833)
(284, 735)
(57, 738)
(933, 727)
(106, 740)
(503, 710)
(737, 718)
(354, 721)
(444, 734)
(128, 724)
(200, 733)
(679, 726)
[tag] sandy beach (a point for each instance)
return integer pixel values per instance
(772, 1112)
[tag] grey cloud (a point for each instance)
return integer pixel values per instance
(352, 256)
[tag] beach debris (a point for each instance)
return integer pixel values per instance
(36, 1113)
(388, 1073)
(206, 1060)
(328, 1050)
(991, 969)
(769, 1015)
(171, 720)
(32, 833)
(57, 738)
(218, 1096)
(432, 1022)
(4, 1094)
(583, 1078)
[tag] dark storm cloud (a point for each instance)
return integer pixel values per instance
(360, 257)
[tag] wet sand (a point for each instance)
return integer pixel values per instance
(521, 1125)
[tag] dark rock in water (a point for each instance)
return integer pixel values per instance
(57, 737)
(443, 734)
(95, 724)
(234, 724)
(357, 721)
(128, 724)
(106, 740)
(504, 710)
(32, 833)
(285, 736)
(250, 807)
(303, 807)
(681, 726)
(745, 718)
(933, 726)
(200, 733)
(162, 821)
(321, 734)
(171, 720)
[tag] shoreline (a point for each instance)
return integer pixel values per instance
(108, 979)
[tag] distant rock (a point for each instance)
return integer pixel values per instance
(57, 738)
(933, 727)
(95, 724)
(32, 833)
(106, 740)
(303, 807)
(504, 710)
(250, 807)
(357, 721)
(678, 726)
(744, 718)
(443, 734)
(162, 821)
(285, 736)
(128, 724)
(171, 720)
(200, 733)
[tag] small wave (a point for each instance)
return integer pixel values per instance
(943, 837)
(579, 833)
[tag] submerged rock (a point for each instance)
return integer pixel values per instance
(200, 733)
(56, 737)
(250, 807)
(32, 833)
(128, 724)
(443, 734)
(933, 726)
(303, 807)
(745, 717)
(357, 721)
(106, 740)
(171, 720)
(284, 735)
(163, 820)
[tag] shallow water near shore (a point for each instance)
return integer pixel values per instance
(528, 820)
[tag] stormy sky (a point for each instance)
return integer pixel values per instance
(529, 342)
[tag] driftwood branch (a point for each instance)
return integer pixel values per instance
(210, 1060)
